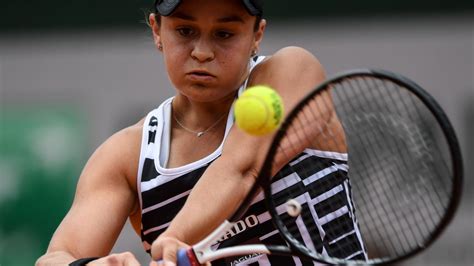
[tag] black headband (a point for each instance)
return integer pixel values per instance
(166, 7)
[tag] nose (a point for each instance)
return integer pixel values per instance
(202, 51)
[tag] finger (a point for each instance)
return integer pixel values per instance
(153, 263)
(109, 260)
(162, 263)
(132, 263)
(129, 259)
(169, 254)
(169, 263)
(156, 249)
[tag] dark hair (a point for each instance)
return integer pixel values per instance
(257, 23)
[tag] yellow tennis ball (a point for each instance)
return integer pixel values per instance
(258, 110)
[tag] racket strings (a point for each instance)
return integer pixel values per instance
(413, 133)
(417, 195)
(425, 140)
(386, 199)
(403, 230)
(378, 129)
(437, 190)
(403, 226)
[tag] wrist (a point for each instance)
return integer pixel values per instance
(83, 261)
(170, 233)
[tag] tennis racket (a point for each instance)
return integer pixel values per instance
(391, 187)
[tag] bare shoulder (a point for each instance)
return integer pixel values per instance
(127, 140)
(295, 54)
(292, 71)
(125, 146)
(131, 135)
(117, 157)
(291, 59)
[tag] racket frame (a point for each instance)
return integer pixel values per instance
(443, 121)
(202, 252)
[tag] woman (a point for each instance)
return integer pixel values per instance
(146, 171)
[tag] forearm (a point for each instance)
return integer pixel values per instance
(55, 258)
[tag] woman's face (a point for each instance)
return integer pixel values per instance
(206, 46)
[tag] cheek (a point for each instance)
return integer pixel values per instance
(173, 52)
(240, 48)
(174, 60)
(235, 61)
(173, 49)
(234, 71)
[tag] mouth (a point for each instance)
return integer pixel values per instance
(200, 73)
(200, 76)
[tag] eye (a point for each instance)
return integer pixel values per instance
(221, 34)
(185, 31)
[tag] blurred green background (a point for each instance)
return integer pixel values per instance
(41, 148)
(74, 72)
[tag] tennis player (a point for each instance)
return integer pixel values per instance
(184, 168)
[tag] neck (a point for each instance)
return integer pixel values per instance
(200, 115)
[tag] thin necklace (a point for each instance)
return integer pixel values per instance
(198, 133)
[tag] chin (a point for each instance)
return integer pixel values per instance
(208, 95)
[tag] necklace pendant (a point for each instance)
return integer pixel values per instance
(199, 134)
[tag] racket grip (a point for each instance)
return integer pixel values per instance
(186, 257)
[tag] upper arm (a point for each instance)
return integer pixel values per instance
(292, 72)
(105, 197)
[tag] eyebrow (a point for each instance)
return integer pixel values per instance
(231, 18)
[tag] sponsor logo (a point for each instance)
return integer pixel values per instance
(243, 259)
(239, 227)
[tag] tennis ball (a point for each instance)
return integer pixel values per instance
(258, 110)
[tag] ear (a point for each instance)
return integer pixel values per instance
(259, 34)
(155, 28)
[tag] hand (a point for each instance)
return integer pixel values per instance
(164, 250)
(125, 258)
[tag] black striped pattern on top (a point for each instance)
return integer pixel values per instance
(322, 187)
(322, 182)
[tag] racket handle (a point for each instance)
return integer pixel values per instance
(186, 257)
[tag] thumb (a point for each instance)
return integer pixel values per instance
(169, 260)
(170, 253)
(165, 249)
